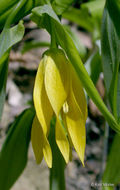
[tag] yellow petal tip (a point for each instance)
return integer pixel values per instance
(83, 163)
(47, 153)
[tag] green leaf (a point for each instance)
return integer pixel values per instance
(95, 8)
(114, 10)
(13, 156)
(118, 97)
(7, 7)
(34, 44)
(10, 36)
(61, 5)
(88, 16)
(80, 17)
(4, 16)
(112, 171)
(93, 66)
(3, 79)
(110, 44)
(45, 17)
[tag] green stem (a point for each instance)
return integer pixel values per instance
(53, 39)
(57, 178)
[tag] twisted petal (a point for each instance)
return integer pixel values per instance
(57, 85)
(76, 126)
(37, 140)
(40, 144)
(42, 105)
(56, 79)
(62, 141)
(44, 112)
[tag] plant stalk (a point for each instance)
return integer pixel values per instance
(57, 177)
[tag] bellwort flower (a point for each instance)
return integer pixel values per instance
(58, 91)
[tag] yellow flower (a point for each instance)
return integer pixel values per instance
(58, 91)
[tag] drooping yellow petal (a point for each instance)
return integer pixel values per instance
(40, 144)
(62, 140)
(57, 86)
(42, 105)
(63, 115)
(47, 152)
(56, 79)
(76, 126)
(79, 93)
(37, 140)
